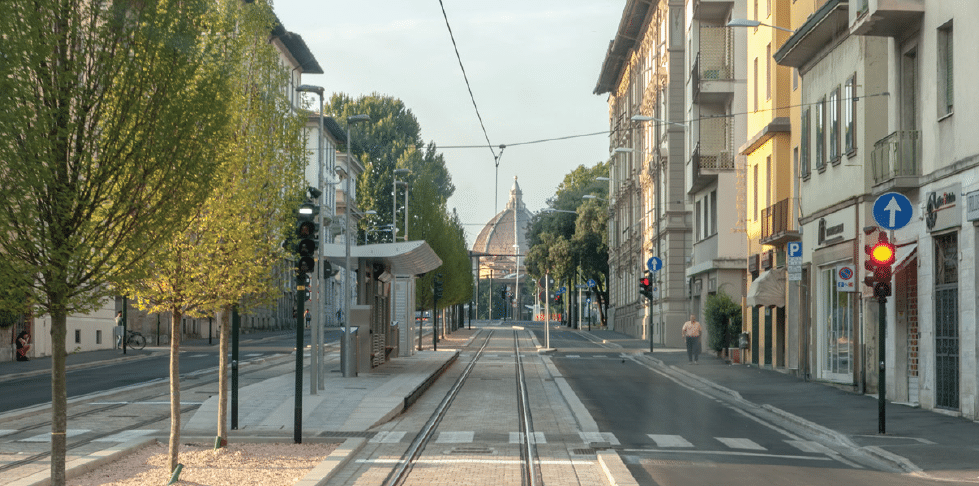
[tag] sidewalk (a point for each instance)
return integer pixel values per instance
(923, 442)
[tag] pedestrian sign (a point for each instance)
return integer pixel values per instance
(893, 211)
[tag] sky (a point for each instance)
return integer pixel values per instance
(532, 66)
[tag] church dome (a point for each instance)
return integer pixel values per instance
(497, 237)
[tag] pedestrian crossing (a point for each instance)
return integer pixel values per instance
(660, 442)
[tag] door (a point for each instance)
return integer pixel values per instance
(946, 322)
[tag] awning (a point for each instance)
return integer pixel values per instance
(405, 258)
(768, 289)
(904, 254)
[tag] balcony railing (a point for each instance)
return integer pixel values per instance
(897, 156)
(777, 223)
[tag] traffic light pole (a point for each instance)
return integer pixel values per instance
(297, 431)
(881, 375)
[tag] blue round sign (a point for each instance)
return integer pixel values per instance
(591, 282)
(893, 211)
(654, 264)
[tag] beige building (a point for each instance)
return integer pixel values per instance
(644, 76)
(884, 110)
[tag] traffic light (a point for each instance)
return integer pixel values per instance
(438, 286)
(503, 292)
(880, 257)
(646, 286)
(307, 233)
(557, 299)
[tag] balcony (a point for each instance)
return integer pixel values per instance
(712, 76)
(896, 161)
(886, 18)
(714, 10)
(778, 224)
(823, 27)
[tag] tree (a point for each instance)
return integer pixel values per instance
(109, 117)
(229, 252)
(723, 317)
(573, 246)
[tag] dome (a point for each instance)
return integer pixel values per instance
(497, 237)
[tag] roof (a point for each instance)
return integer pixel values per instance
(404, 258)
(497, 236)
(297, 48)
(630, 27)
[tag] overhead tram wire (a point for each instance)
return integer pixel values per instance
(496, 157)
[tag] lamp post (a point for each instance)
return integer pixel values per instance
(317, 330)
(394, 204)
(349, 365)
(754, 23)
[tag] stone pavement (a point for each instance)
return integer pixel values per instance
(921, 442)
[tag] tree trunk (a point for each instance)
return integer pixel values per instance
(174, 449)
(223, 371)
(59, 397)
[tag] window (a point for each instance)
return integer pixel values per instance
(755, 199)
(795, 159)
(804, 144)
(696, 224)
(945, 70)
(820, 141)
(78, 336)
(849, 108)
(837, 356)
(756, 84)
(713, 212)
(768, 8)
(98, 336)
(768, 72)
(795, 79)
(833, 113)
(768, 181)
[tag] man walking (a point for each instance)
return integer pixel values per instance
(691, 333)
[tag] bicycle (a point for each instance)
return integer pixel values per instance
(135, 340)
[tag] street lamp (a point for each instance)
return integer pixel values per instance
(642, 118)
(754, 23)
(592, 196)
(349, 366)
(394, 204)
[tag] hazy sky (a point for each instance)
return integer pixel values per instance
(532, 66)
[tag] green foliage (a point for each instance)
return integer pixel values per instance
(723, 317)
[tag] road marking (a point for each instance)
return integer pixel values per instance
(810, 446)
(573, 462)
(46, 437)
(388, 437)
(669, 440)
(573, 356)
(537, 438)
(455, 437)
(4, 432)
(727, 453)
(126, 436)
(589, 437)
(736, 443)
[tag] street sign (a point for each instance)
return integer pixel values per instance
(592, 283)
(563, 289)
(846, 279)
(588, 300)
(793, 251)
(893, 211)
(654, 264)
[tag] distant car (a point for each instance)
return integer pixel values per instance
(419, 317)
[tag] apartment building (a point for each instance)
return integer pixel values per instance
(884, 111)
(644, 76)
(714, 121)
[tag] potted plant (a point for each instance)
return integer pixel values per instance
(723, 318)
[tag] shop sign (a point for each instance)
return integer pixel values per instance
(942, 208)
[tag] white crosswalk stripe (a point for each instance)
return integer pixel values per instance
(46, 437)
(125, 436)
(388, 437)
(669, 440)
(589, 437)
(537, 438)
(455, 437)
(809, 446)
(738, 443)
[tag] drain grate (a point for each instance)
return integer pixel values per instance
(583, 452)
(471, 450)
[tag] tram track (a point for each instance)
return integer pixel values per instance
(530, 474)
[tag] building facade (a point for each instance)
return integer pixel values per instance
(644, 75)
(884, 112)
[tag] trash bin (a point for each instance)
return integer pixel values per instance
(743, 340)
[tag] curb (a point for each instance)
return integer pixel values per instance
(326, 470)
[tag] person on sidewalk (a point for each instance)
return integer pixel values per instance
(117, 331)
(22, 346)
(309, 317)
(691, 333)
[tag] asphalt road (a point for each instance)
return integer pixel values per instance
(152, 366)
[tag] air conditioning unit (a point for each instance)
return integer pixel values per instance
(766, 260)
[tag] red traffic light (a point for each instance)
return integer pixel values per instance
(645, 282)
(882, 252)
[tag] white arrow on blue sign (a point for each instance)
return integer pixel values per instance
(591, 282)
(654, 264)
(893, 211)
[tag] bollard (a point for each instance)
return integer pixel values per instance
(176, 474)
